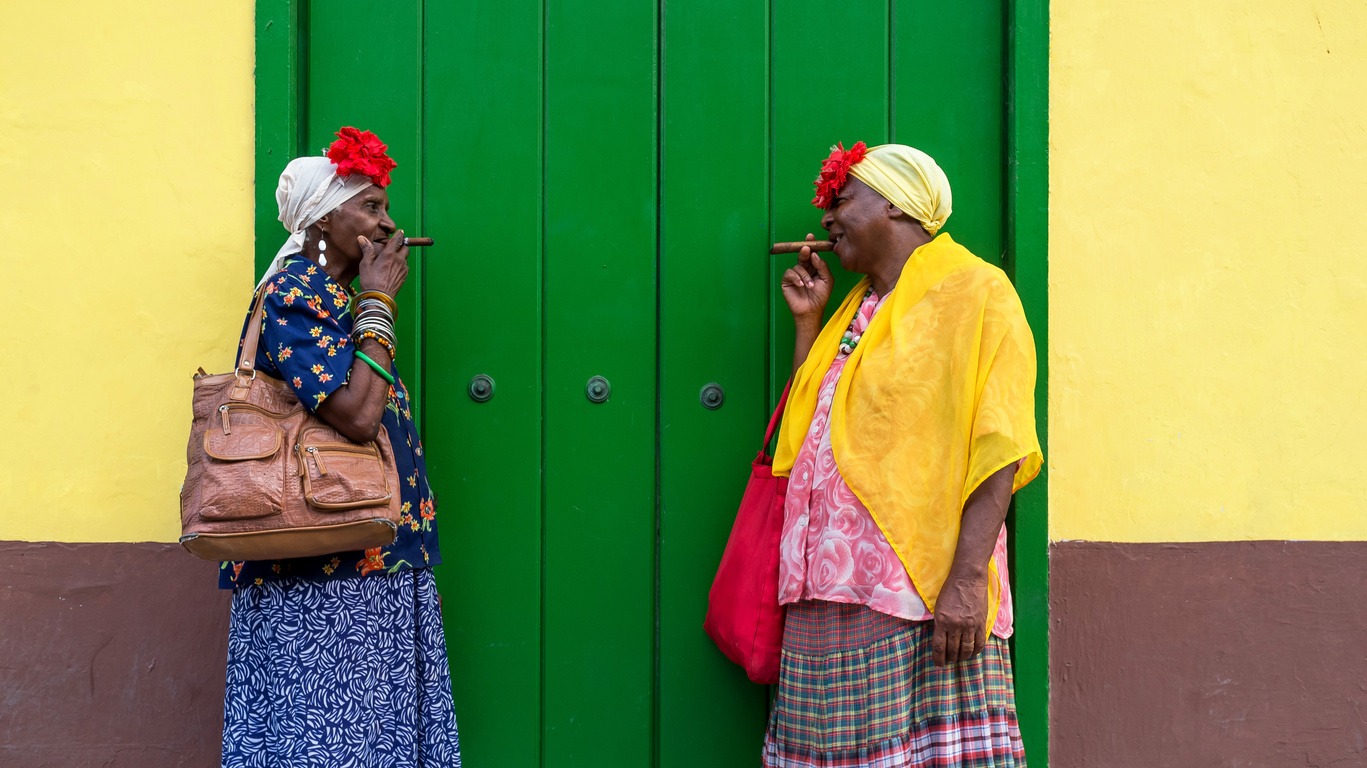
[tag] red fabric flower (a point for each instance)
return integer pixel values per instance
(834, 171)
(361, 152)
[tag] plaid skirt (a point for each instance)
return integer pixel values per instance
(859, 688)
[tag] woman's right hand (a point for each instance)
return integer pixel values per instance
(807, 285)
(383, 269)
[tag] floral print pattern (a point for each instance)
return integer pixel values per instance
(831, 548)
(347, 673)
(306, 341)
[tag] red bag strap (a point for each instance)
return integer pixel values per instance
(778, 416)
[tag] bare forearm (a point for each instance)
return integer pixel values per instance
(356, 409)
(981, 524)
(807, 331)
(961, 611)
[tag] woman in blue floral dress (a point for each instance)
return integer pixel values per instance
(340, 660)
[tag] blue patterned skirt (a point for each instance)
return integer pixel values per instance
(341, 673)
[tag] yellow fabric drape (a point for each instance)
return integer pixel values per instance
(938, 395)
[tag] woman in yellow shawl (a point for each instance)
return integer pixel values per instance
(909, 425)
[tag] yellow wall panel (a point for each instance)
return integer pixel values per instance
(127, 212)
(1208, 270)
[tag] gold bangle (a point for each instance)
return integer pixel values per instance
(382, 296)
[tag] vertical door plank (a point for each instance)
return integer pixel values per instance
(373, 80)
(279, 64)
(949, 100)
(600, 305)
(714, 328)
(830, 83)
(482, 203)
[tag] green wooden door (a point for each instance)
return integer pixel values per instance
(603, 178)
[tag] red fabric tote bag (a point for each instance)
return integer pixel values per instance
(744, 618)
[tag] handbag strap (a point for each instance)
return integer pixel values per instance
(246, 365)
(778, 415)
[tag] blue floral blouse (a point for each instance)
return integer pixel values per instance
(306, 341)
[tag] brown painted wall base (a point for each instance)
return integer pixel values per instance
(1205, 655)
(111, 655)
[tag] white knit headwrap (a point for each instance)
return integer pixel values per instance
(309, 189)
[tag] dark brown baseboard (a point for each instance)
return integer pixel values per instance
(111, 655)
(1208, 655)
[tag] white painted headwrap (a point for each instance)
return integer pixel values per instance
(309, 189)
(909, 179)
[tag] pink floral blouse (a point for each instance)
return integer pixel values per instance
(831, 548)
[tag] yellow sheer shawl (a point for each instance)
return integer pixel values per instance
(937, 396)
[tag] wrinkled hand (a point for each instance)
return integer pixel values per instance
(807, 285)
(960, 617)
(383, 269)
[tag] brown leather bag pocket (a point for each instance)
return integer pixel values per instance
(340, 475)
(246, 439)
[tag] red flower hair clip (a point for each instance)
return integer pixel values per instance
(834, 170)
(361, 152)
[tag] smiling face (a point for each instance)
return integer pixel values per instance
(365, 214)
(859, 221)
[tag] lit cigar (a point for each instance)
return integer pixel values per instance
(416, 242)
(815, 245)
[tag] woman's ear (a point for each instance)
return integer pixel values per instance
(893, 212)
(314, 234)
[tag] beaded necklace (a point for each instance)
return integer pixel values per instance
(854, 333)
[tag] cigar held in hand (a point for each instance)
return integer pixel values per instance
(415, 242)
(815, 245)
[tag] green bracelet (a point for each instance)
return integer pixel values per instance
(386, 375)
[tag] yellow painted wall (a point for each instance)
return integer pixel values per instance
(1208, 264)
(127, 212)
(1208, 270)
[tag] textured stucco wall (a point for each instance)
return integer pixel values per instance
(126, 209)
(1208, 389)
(1208, 270)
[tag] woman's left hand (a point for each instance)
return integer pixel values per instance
(807, 287)
(383, 269)
(960, 618)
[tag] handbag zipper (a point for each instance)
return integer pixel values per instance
(317, 452)
(227, 407)
(317, 459)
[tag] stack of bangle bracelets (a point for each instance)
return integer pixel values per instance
(375, 312)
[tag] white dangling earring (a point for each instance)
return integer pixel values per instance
(322, 256)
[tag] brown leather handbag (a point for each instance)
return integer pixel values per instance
(266, 479)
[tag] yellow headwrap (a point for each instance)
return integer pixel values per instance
(910, 180)
(939, 394)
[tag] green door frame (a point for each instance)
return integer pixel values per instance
(1027, 237)
(280, 62)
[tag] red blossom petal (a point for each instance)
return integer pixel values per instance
(362, 152)
(835, 171)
